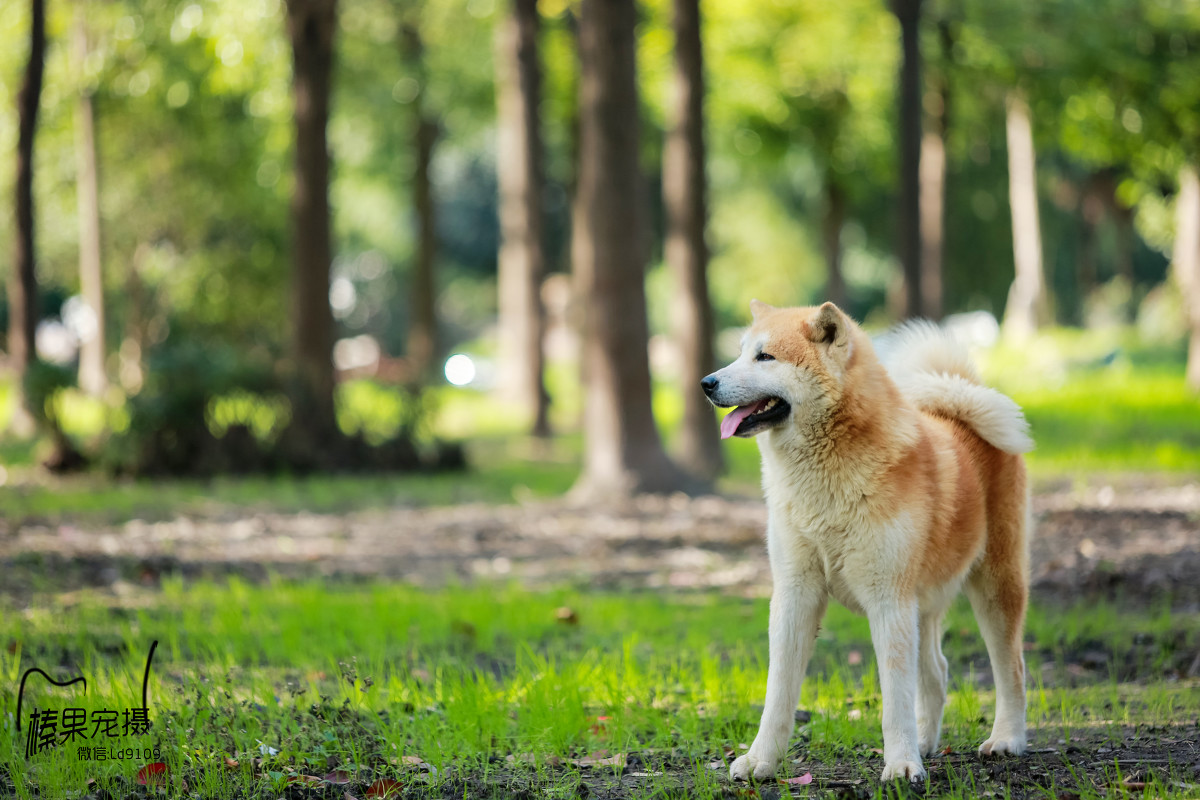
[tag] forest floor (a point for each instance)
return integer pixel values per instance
(549, 650)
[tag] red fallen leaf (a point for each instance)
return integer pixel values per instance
(947, 750)
(338, 777)
(799, 780)
(153, 774)
(384, 787)
(232, 763)
(599, 725)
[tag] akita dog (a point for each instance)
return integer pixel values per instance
(889, 489)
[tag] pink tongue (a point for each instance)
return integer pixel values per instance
(729, 425)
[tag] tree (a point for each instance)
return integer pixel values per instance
(1186, 259)
(933, 179)
(1027, 305)
(93, 377)
(908, 12)
(311, 27)
(685, 198)
(622, 450)
(519, 165)
(422, 329)
(23, 286)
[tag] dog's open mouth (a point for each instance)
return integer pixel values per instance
(745, 420)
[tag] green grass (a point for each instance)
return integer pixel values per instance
(463, 677)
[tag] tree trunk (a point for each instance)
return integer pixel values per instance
(933, 184)
(831, 235)
(622, 450)
(311, 26)
(1027, 304)
(686, 251)
(22, 284)
(519, 166)
(909, 14)
(93, 375)
(1186, 258)
(422, 329)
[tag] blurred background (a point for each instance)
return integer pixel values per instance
(316, 236)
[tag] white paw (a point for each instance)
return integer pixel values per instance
(1001, 746)
(752, 766)
(911, 770)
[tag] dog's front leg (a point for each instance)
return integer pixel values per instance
(797, 606)
(894, 633)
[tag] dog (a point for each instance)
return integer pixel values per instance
(888, 488)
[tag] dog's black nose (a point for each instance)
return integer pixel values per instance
(709, 384)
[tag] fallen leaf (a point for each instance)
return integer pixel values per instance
(876, 751)
(566, 615)
(520, 758)
(599, 726)
(799, 780)
(348, 796)
(232, 763)
(153, 774)
(947, 750)
(854, 658)
(384, 787)
(408, 761)
(854, 713)
(304, 779)
(600, 758)
(645, 774)
(716, 765)
(337, 776)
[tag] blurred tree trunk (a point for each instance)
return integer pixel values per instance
(422, 329)
(1027, 308)
(519, 165)
(22, 284)
(686, 251)
(622, 450)
(908, 12)
(311, 26)
(831, 236)
(933, 181)
(1186, 258)
(93, 375)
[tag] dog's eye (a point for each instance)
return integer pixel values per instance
(764, 357)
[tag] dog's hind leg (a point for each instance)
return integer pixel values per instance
(931, 685)
(998, 588)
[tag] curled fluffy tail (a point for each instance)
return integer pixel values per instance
(934, 372)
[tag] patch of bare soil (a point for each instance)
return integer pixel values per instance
(1138, 543)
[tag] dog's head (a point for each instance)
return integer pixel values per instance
(792, 368)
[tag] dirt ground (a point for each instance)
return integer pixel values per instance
(1139, 542)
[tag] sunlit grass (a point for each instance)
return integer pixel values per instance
(461, 677)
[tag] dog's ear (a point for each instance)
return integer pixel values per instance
(758, 308)
(829, 326)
